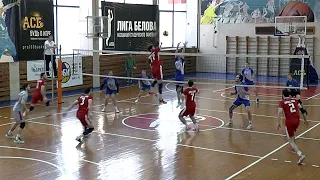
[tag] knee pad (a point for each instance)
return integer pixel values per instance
(160, 88)
(31, 108)
(22, 125)
(48, 103)
(299, 101)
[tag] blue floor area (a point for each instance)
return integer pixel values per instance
(215, 76)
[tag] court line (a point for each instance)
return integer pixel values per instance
(45, 152)
(220, 111)
(270, 153)
(33, 159)
(152, 140)
(313, 96)
(213, 127)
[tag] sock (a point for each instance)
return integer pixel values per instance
(19, 132)
(250, 122)
(160, 96)
(299, 153)
(9, 132)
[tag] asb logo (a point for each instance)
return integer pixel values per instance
(152, 122)
(66, 72)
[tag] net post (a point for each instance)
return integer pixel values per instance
(302, 73)
(59, 90)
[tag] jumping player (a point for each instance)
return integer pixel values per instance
(243, 98)
(84, 113)
(39, 94)
(190, 108)
(144, 85)
(179, 73)
(156, 68)
(111, 91)
(289, 106)
(248, 75)
(19, 107)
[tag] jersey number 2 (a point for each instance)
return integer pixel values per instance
(82, 100)
(292, 108)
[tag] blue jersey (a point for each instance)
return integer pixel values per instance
(145, 83)
(240, 89)
(247, 74)
(179, 66)
(112, 84)
(293, 83)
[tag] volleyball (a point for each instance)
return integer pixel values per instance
(165, 33)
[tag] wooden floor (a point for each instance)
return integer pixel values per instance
(145, 141)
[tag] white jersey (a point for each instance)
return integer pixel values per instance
(23, 95)
(240, 91)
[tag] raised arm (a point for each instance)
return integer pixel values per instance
(184, 48)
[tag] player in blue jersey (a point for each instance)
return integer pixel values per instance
(144, 85)
(295, 92)
(249, 75)
(243, 98)
(111, 91)
(179, 74)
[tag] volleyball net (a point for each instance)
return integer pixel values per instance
(270, 71)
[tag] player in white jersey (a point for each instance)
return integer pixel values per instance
(249, 75)
(19, 107)
(243, 98)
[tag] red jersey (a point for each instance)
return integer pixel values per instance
(290, 109)
(154, 58)
(190, 94)
(40, 83)
(83, 102)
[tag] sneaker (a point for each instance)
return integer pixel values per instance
(18, 140)
(104, 109)
(249, 126)
(162, 101)
(229, 124)
(11, 136)
(300, 160)
(80, 140)
(196, 128)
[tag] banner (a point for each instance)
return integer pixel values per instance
(9, 27)
(129, 27)
(35, 68)
(37, 24)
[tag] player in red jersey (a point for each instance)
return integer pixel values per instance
(39, 94)
(84, 113)
(290, 107)
(190, 108)
(156, 68)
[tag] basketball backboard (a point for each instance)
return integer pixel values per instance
(97, 26)
(290, 26)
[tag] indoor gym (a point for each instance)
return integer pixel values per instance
(145, 140)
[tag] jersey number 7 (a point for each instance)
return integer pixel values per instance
(82, 100)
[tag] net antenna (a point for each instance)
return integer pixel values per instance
(294, 26)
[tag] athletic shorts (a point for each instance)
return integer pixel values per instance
(36, 97)
(188, 111)
(83, 117)
(17, 115)
(239, 102)
(157, 73)
(292, 128)
(144, 88)
(109, 92)
(294, 92)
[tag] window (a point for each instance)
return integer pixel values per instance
(166, 25)
(68, 29)
(149, 2)
(192, 23)
(165, 5)
(180, 5)
(180, 21)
